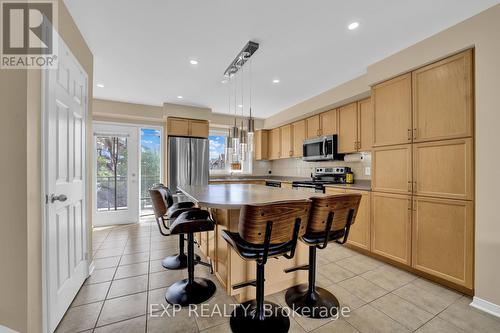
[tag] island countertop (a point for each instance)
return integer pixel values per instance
(233, 196)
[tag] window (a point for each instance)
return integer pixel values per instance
(217, 157)
(217, 160)
(150, 166)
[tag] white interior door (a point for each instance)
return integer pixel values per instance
(65, 227)
(116, 186)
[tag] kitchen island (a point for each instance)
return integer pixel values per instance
(224, 202)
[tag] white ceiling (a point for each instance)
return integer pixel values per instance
(142, 48)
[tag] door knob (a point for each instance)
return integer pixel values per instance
(60, 197)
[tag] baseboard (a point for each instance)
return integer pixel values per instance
(486, 306)
(91, 267)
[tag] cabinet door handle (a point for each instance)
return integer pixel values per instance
(409, 134)
(409, 186)
(409, 205)
(414, 134)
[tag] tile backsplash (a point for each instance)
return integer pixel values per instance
(295, 167)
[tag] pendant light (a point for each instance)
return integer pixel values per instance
(243, 133)
(250, 121)
(229, 150)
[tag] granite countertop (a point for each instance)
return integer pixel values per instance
(233, 196)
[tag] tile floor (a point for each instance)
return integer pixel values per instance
(128, 277)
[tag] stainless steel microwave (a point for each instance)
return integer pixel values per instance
(320, 149)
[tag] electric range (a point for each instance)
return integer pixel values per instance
(322, 177)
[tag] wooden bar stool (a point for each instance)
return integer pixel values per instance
(265, 231)
(191, 291)
(170, 211)
(330, 220)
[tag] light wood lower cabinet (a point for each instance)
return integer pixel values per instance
(443, 232)
(444, 169)
(359, 235)
(392, 169)
(391, 226)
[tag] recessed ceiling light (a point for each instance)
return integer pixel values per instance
(240, 105)
(353, 25)
(100, 85)
(276, 81)
(193, 62)
(180, 97)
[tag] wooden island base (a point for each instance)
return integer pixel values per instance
(231, 269)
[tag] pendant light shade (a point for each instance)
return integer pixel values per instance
(251, 125)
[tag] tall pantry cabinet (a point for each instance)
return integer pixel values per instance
(423, 169)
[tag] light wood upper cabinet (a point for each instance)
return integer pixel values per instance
(313, 127)
(299, 135)
(198, 128)
(365, 125)
(348, 128)
(392, 111)
(178, 127)
(286, 141)
(443, 232)
(274, 144)
(392, 169)
(443, 99)
(359, 234)
(444, 169)
(187, 127)
(391, 226)
(328, 122)
(261, 144)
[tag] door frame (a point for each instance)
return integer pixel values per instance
(45, 90)
(137, 127)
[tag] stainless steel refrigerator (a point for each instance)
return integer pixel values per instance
(187, 162)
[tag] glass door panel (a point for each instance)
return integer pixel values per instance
(150, 166)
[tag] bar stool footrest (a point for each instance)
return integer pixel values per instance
(297, 268)
(320, 304)
(244, 319)
(252, 283)
(178, 261)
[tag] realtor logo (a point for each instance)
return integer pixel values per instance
(28, 34)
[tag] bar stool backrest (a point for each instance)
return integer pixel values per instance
(254, 220)
(157, 195)
(340, 206)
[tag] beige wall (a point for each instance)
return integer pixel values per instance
(139, 113)
(21, 197)
(481, 32)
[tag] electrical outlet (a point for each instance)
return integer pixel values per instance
(368, 171)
